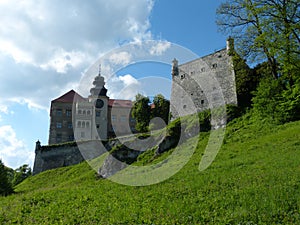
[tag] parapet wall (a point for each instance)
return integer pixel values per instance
(51, 157)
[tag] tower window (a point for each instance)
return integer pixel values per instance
(87, 124)
(97, 126)
(58, 125)
(68, 112)
(182, 76)
(215, 65)
(79, 124)
(79, 111)
(202, 102)
(88, 112)
(59, 112)
(83, 124)
(82, 135)
(203, 69)
(58, 138)
(98, 113)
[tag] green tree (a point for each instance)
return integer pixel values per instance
(21, 174)
(264, 29)
(5, 185)
(141, 112)
(161, 109)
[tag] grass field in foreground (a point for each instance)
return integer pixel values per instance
(254, 179)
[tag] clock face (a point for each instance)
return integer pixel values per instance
(99, 103)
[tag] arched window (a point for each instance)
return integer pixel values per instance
(87, 124)
(84, 112)
(88, 112)
(83, 124)
(79, 124)
(79, 111)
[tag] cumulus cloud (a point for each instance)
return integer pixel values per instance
(160, 48)
(13, 151)
(46, 45)
(121, 58)
(123, 87)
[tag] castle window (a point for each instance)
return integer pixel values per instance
(84, 112)
(71, 138)
(79, 111)
(82, 135)
(182, 76)
(83, 124)
(79, 124)
(98, 113)
(202, 102)
(58, 138)
(87, 124)
(88, 112)
(184, 106)
(123, 118)
(215, 65)
(97, 126)
(68, 112)
(70, 126)
(203, 69)
(59, 112)
(58, 125)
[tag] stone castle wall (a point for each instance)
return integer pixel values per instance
(56, 156)
(204, 83)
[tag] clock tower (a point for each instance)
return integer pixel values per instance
(99, 100)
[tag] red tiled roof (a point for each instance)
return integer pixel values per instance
(120, 103)
(69, 97)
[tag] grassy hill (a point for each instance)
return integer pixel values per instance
(254, 179)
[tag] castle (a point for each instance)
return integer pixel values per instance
(201, 84)
(204, 83)
(97, 117)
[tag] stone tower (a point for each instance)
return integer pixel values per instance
(99, 99)
(203, 83)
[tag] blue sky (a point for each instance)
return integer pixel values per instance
(46, 47)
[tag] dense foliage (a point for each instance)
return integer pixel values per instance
(157, 112)
(5, 185)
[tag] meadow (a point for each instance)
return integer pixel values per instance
(254, 179)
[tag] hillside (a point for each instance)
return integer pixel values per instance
(254, 179)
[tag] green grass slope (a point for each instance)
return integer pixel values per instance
(254, 179)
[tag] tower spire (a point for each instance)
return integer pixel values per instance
(99, 70)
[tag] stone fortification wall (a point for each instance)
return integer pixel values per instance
(51, 157)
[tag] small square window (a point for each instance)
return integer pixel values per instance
(59, 112)
(98, 113)
(113, 117)
(58, 125)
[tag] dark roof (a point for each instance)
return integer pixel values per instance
(69, 97)
(120, 103)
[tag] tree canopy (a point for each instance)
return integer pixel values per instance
(264, 30)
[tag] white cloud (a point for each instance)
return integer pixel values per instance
(46, 45)
(13, 151)
(121, 58)
(160, 48)
(123, 87)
